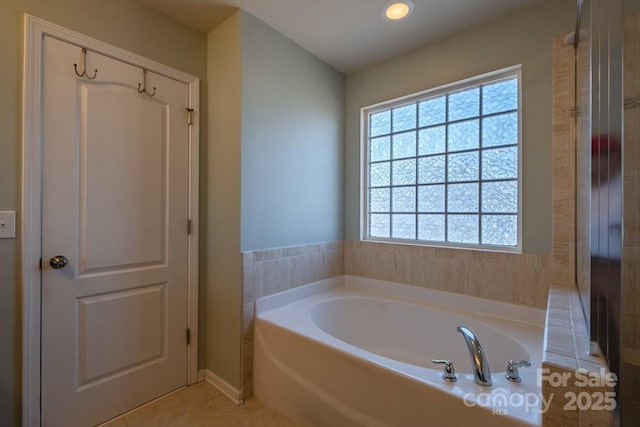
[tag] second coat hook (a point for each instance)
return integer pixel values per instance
(84, 67)
(142, 87)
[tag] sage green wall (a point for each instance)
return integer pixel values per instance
(224, 268)
(123, 23)
(275, 152)
(292, 142)
(523, 38)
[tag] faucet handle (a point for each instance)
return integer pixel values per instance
(512, 370)
(449, 372)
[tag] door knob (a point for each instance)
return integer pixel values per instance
(58, 262)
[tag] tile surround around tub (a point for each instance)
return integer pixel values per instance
(567, 348)
(269, 271)
(489, 275)
(508, 277)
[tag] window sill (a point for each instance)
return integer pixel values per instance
(444, 245)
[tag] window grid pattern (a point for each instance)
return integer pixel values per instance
(445, 168)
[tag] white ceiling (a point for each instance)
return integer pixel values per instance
(347, 34)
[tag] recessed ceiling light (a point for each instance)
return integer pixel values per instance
(395, 10)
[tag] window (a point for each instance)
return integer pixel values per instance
(442, 167)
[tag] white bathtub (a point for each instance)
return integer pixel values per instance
(351, 351)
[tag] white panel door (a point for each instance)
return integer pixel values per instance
(115, 205)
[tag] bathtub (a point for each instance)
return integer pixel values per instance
(351, 351)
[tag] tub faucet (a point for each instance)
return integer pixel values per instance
(479, 363)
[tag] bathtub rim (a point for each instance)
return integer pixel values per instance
(409, 294)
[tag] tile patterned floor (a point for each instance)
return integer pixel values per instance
(200, 405)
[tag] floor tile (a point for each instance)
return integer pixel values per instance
(118, 422)
(164, 411)
(222, 412)
(201, 405)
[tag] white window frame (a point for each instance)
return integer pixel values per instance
(514, 71)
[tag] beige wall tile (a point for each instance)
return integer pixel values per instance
(559, 361)
(595, 366)
(559, 340)
(334, 246)
(566, 350)
(559, 298)
(247, 336)
(247, 362)
(563, 147)
(532, 284)
(269, 277)
(316, 247)
(598, 414)
(296, 269)
(247, 316)
(513, 278)
(559, 317)
(274, 270)
(247, 257)
(247, 368)
(247, 283)
(267, 254)
(556, 415)
(596, 418)
(247, 389)
(294, 250)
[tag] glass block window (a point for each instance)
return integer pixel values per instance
(442, 167)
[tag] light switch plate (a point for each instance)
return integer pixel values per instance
(7, 225)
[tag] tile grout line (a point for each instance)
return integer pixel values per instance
(198, 406)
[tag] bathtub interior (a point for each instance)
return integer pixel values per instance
(413, 334)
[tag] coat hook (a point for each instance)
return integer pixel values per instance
(142, 88)
(84, 67)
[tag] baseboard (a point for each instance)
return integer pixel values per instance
(201, 375)
(225, 388)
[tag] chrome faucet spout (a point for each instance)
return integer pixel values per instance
(479, 363)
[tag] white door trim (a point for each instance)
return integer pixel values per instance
(35, 30)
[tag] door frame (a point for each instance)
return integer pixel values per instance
(31, 252)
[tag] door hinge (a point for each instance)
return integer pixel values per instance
(189, 222)
(188, 336)
(40, 264)
(189, 116)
